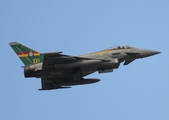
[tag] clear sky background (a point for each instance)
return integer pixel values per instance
(139, 91)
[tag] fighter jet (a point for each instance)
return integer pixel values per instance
(58, 70)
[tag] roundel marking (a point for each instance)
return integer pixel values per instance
(30, 53)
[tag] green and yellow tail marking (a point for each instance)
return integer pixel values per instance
(27, 55)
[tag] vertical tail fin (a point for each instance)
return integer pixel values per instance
(27, 55)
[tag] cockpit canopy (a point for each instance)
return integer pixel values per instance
(121, 47)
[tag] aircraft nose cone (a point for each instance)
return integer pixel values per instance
(147, 53)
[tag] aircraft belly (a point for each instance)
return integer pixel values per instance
(83, 63)
(87, 72)
(84, 70)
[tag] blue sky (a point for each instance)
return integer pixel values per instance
(139, 91)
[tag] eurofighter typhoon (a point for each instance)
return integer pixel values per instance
(58, 70)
